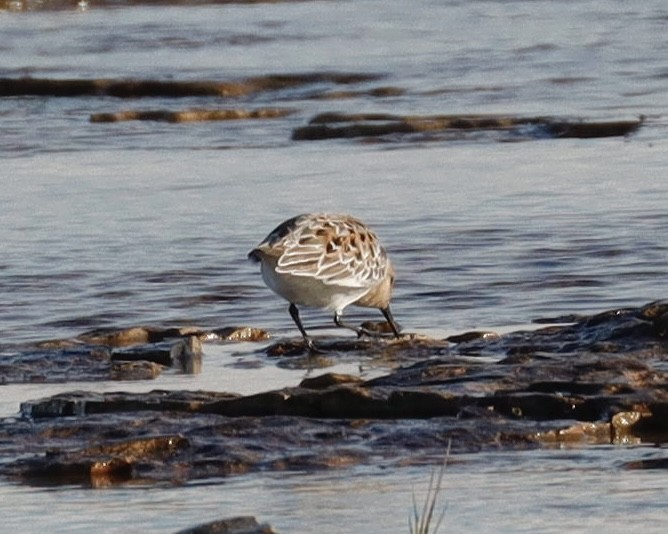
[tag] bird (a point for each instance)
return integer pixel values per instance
(327, 261)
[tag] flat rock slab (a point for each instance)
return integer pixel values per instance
(601, 379)
(148, 88)
(370, 125)
(191, 115)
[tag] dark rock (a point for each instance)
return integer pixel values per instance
(328, 380)
(233, 525)
(649, 463)
(589, 130)
(473, 336)
(647, 425)
(338, 125)
(161, 353)
(186, 354)
(172, 88)
(661, 325)
(99, 465)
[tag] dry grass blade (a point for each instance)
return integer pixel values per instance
(421, 521)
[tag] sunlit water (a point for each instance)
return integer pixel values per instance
(149, 223)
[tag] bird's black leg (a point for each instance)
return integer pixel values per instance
(338, 322)
(294, 313)
(393, 325)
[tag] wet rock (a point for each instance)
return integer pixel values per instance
(119, 338)
(99, 465)
(186, 354)
(467, 337)
(108, 353)
(191, 115)
(139, 370)
(338, 125)
(410, 346)
(161, 353)
(376, 92)
(653, 310)
(600, 379)
(37, 365)
(376, 327)
(327, 380)
(647, 425)
(589, 130)
(241, 333)
(137, 335)
(87, 403)
(233, 525)
(578, 434)
(649, 463)
(661, 325)
(140, 88)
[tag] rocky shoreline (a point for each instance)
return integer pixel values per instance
(600, 379)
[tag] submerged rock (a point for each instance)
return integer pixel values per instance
(191, 115)
(339, 125)
(142, 88)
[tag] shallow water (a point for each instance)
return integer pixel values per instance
(149, 223)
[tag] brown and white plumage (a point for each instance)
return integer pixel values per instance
(326, 261)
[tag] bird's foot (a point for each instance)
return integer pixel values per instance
(311, 347)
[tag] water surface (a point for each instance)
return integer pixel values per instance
(149, 223)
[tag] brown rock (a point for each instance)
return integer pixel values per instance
(139, 370)
(241, 333)
(597, 433)
(117, 338)
(191, 115)
(622, 425)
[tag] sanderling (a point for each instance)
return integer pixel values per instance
(327, 261)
